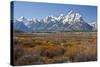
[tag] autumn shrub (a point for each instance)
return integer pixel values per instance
(29, 60)
(40, 42)
(26, 42)
(18, 52)
(51, 51)
(86, 53)
(71, 52)
(60, 59)
(47, 60)
(17, 41)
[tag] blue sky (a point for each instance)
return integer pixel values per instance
(41, 10)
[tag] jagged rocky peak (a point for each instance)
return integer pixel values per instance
(61, 16)
(34, 20)
(72, 21)
(73, 17)
(71, 12)
(22, 18)
(48, 19)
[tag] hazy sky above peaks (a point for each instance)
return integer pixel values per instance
(41, 10)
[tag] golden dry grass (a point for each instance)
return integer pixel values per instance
(47, 48)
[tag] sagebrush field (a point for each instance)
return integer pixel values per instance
(48, 48)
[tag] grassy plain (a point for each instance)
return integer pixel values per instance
(57, 47)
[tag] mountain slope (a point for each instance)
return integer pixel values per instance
(72, 21)
(17, 25)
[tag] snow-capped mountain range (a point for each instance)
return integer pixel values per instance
(72, 21)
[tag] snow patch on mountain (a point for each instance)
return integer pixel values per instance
(72, 21)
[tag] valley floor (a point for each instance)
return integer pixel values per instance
(58, 47)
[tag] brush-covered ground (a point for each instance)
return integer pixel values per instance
(48, 48)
